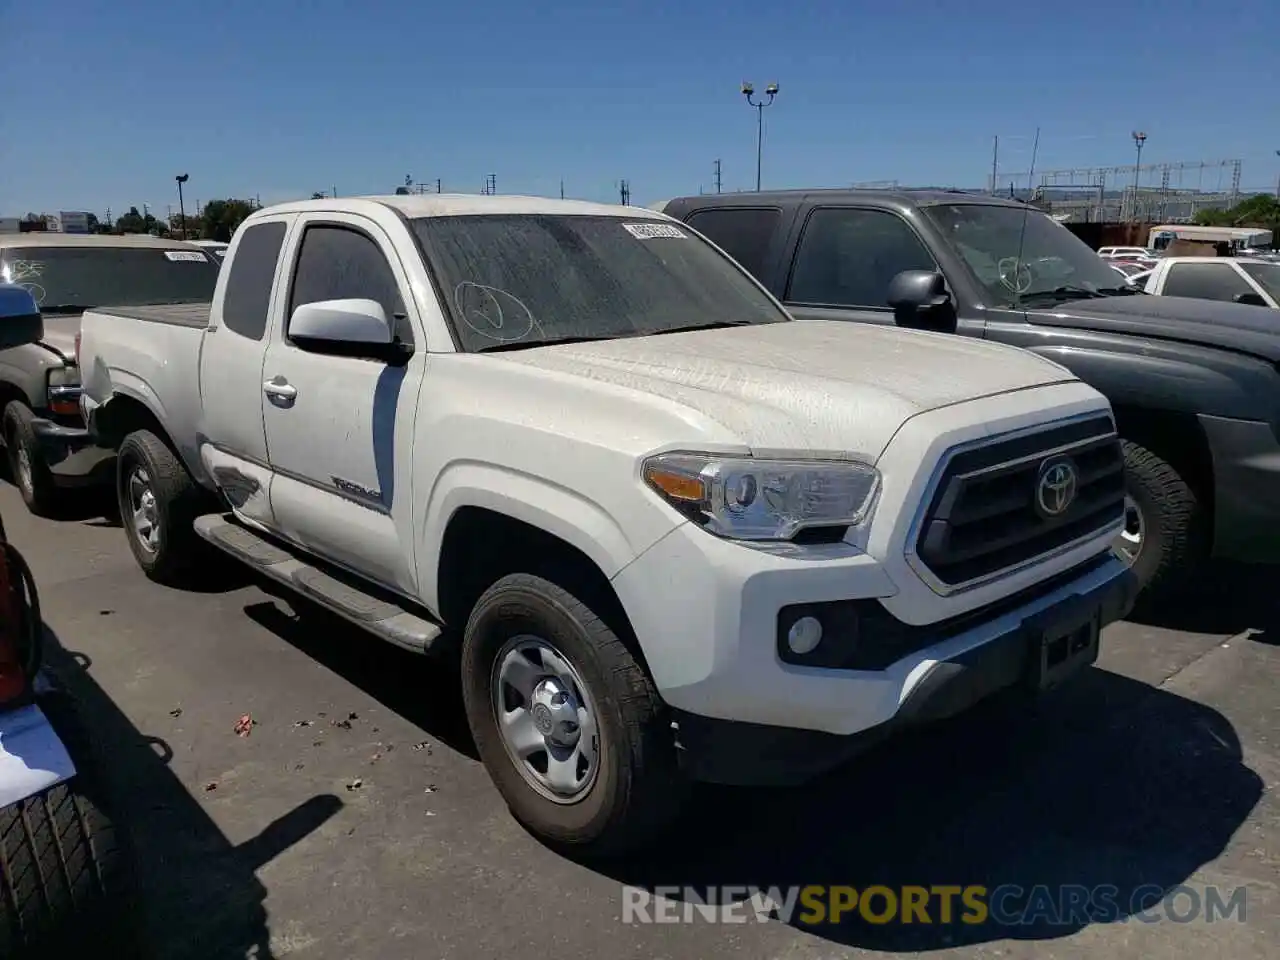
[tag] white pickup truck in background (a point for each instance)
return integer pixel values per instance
(673, 533)
(1229, 279)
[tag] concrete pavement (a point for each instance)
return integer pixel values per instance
(354, 821)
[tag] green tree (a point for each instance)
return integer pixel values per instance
(219, 218)
(131, 222)
(195, 226)
(1260, 210)
(319, 196)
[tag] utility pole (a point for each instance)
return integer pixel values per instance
(995, 163)
(437, 184)
(624, 190)
(717, 176)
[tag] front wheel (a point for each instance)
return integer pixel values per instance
(566, 720)
(159, 503)
(1164, 537)
(31, 475)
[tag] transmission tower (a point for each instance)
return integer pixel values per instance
(624, 191)
(717, 176)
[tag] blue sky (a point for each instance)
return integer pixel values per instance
(104, 102)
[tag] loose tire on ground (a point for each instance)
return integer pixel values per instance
(66, 882)
(35, 483)
(637, 788)
(1174, 527)
(177, 503)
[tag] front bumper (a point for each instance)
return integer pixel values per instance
(71, 455)
(950, 678)
(1246, 482)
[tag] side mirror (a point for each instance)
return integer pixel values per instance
(1252, 299)
(920, 301)
(351, 322)
(20, 320)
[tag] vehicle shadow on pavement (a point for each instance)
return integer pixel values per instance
(1227, 599)
(425, 691)
(1111, 784)
(200, 895)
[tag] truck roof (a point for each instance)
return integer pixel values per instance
(144, 241)
(904, 197)
(455, 204)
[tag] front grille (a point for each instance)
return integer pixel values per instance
(989, 511)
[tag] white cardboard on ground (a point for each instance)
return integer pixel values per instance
(32, 758)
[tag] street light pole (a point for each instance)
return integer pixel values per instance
(1139, 138)
(182, 211)
(748, 91)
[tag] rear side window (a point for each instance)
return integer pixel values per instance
(1205, 281)
(742, 233)
(248, 293)
(339, 263)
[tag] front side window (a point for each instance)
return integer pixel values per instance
(341, 263)
(520, 280)
(76, 278)
(847, 258)
(1021, 256)
(1265, 275)
(1205, 281)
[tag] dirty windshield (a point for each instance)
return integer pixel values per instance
(73, 278)
(526, 279)
(1040, 264)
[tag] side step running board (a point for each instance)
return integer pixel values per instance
(384, 618)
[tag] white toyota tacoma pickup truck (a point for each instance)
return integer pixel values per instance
(672, 533)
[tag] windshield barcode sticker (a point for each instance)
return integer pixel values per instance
(184, 256)
(653, 231)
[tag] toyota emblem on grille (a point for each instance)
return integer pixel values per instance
(1056, 487)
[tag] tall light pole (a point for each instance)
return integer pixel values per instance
(748, 91)
(1139, 138)
(182, 211)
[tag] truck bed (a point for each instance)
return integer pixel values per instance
(178, 314)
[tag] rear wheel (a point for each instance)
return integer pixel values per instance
(31, 475)
(566, 720)
(159, 502)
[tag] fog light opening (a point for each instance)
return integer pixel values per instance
(805, 635)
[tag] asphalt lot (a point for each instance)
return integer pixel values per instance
(355, 822)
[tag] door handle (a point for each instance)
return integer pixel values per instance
(280, 389)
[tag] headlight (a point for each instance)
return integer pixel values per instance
(747, 499)
(64, 390)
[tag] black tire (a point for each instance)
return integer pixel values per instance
(39, 492)
(638, 788)
(178, 501)
(1174, 528)
(66, 880)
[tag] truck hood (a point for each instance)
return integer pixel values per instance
(1230, 326)
(824, 388)
(60, 334)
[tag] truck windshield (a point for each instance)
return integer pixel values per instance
(526, 279)
(1048, 262)
(84, 277)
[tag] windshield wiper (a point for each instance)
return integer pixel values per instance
(1063, 293)
(527, 344)
(64, 307)
(690, 327)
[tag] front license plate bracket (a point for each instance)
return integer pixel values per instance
(1060, 643)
